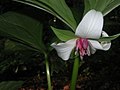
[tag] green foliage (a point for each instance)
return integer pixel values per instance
(28, 32)
(109, 38)
(14, 46)
(10, 85)
(57, 8)
(23, 29)
(105, 6)
(4, 65)
(63, 35)
(111, 6)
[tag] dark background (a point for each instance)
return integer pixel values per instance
(100, 71)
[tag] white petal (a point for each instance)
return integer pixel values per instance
(91, 25)
(64, 49)
(105, 45)
(95, 44)
(104, 34)
(100, 45)
(91, 48)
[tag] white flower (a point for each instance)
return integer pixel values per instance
(87, 32)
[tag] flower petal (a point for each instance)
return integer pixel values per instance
(91, 25)
(95, 44)
(105, 45)
(92, 49)
(101, 45)
(64, 49)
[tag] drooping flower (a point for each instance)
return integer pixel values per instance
(87, 33)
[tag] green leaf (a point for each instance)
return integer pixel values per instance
(57, 8)
(23, 29)
(102, 4)
(111, 6)
(10, 45)
(87, 6)
(63, 35)
(15, 46)
(10, 85)
(109, 38)
(92, 3)
(105, 6)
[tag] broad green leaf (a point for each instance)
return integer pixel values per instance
(23, 29)
(37, 5)
(87, 6)
(105, 6)
(92, 3)
(109, 38)
(10, 45)
(102, 4)
(57, 8)
(10, 85)
(63, 35)
(15, 46)
(111, 6)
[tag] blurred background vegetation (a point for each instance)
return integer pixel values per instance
(100, 71)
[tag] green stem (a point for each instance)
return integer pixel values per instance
(75, 73)
(48, 72)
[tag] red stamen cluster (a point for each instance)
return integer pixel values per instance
(82, 46)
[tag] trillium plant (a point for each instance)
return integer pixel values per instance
(86, 38)
(82, 39)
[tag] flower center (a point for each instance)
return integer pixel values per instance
(82, 46)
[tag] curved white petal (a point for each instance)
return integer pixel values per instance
(95, 44)
(92, 49)
(101, 45)
(64, 49)
(105, 45)
(91, 25)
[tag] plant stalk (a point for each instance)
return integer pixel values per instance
(75, 73)
(48, 72)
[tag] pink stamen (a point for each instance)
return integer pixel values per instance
(82, 46)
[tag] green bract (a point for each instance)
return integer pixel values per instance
(63, 35)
